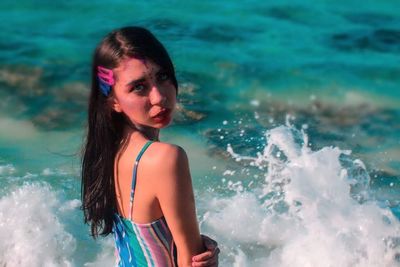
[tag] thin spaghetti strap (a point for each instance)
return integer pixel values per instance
(133, 186)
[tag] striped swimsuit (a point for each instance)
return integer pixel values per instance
(143, 244)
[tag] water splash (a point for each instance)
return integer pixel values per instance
(313, 209)
(31, 233)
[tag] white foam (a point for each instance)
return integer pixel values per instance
(51, 172)
(7, 169)
(29, 175)
(30, 232)
(71, 205)
(106, 257)
(307, 213)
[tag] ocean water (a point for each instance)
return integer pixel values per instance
(289, 112)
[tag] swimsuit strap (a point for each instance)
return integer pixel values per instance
(134, 176)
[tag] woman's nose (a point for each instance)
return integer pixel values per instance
(157, 95)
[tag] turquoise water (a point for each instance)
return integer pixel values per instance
(328, 68)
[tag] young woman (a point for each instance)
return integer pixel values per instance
(147, 203)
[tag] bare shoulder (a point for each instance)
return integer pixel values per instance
(165, 153)
(169, 160)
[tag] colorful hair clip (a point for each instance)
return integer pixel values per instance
(106, 79)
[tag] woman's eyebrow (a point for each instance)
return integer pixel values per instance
(142, 79)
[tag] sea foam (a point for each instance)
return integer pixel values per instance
(30, 230)
(313, 209)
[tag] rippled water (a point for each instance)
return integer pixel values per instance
(289, 111)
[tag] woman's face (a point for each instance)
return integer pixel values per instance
(144, 93)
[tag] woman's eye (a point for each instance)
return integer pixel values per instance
(138, 87)
(163, 76)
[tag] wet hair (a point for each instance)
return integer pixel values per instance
(105, 126)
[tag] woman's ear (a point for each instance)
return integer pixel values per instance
(114, 103)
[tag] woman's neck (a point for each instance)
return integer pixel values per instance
(133, 131)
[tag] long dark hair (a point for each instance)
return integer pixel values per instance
(105, 126)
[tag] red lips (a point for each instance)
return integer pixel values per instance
(162, 115)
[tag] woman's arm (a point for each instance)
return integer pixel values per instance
(175, 194)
